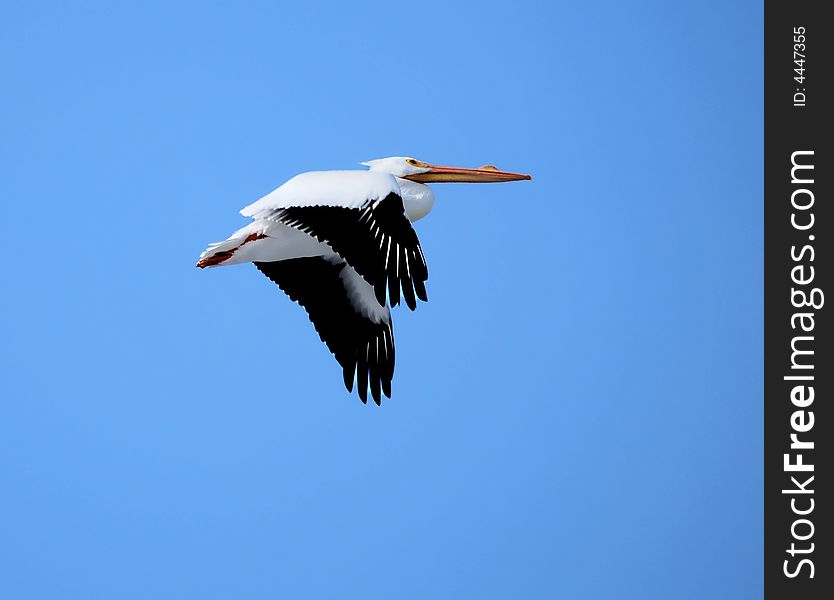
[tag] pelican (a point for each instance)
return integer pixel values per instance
(340, 244)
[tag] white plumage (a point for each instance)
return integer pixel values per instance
(349, 189)
(340, 243)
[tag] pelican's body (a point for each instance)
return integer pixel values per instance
(340, 243)
(344, 189)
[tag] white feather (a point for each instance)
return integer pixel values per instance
(351, 189)
(361, 294)
(282, 242)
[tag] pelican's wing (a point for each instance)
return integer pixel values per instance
(348, 189)
(359, 214)
(343, 309)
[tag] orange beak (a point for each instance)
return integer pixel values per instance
(485, 174)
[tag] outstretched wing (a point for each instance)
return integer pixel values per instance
(361, 216)
(343, 309)
(377, 240)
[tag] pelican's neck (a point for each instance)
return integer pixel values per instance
(418, 198)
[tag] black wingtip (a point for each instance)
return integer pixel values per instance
(374, 371)
(347, 374)
(379, 290)
(393, 290)
(420, 290)
(408, 294)
(362, 376)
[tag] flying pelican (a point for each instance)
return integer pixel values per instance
(340, 244)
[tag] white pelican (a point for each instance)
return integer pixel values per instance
(340, 244)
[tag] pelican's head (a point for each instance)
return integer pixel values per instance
(416, 170)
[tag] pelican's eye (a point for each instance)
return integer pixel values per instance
(417, 163)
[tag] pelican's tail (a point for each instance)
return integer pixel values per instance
(222, 253)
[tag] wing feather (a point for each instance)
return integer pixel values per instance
(340, 306)
(399, 267)
(347, 189)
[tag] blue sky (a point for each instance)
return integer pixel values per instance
(577, 409)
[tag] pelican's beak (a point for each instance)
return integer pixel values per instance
(485, 174)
